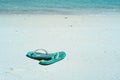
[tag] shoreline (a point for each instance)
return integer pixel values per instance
(62, 12)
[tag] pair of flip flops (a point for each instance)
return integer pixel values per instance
(45, 58)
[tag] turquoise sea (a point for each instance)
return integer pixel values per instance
(59, 6)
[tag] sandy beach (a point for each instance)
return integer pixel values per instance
(90, 41)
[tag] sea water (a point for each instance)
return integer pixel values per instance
(59, 6)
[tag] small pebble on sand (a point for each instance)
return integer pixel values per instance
(66, 17)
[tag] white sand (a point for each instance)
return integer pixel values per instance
(92, 44)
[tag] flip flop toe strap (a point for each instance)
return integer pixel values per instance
(57, 55)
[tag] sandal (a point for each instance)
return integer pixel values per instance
(38, 55)
(45, 58)
(55, 58)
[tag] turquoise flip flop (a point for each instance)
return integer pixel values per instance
(55, 58)
(45, 58)
(38, 55)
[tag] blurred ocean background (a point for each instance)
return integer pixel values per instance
(59, 6)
